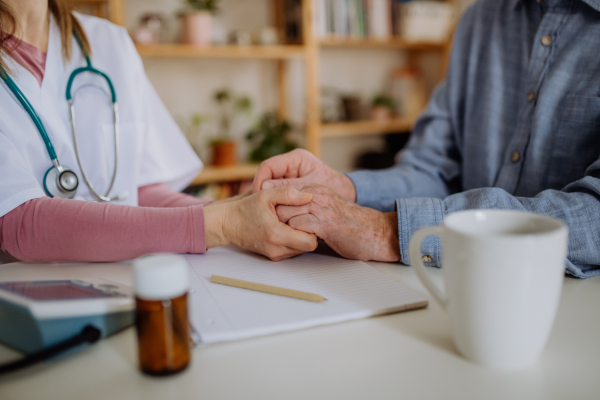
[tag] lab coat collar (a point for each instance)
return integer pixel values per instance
(27, 82)
(49, 99)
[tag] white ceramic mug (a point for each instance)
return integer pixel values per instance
(503, 273)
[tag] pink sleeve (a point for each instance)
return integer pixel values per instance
(160, 195)
(51, 229)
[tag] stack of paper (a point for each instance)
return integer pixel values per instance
(353, 290)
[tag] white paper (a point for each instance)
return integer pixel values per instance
(353, 290)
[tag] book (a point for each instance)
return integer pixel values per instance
(379, 19)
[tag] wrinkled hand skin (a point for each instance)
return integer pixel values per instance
(353, 231)
(252, 224)
(301, 168)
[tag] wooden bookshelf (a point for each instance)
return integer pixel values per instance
(395, 43)
(309, 51)
(367, 127)
(190, 51)
(317, 130)
(225, 174)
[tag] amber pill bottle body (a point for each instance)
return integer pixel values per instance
(161, 285)
(163, 335)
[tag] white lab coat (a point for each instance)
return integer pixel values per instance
(152, 148)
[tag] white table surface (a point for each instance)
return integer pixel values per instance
(403, 356)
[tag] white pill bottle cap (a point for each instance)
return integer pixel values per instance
(161, 277)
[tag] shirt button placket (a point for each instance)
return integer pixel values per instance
(543, 43)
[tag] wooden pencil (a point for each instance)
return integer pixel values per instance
(296, 294)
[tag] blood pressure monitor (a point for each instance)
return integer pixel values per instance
(35, 315)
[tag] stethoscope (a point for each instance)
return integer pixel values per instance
(60, 181)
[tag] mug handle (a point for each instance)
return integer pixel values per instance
(414, 250)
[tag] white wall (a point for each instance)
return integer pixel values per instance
(186, 85)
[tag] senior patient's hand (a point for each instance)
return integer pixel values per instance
(300, 168)
(252, 224)
(352, 231)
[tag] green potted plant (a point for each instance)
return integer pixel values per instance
(383, 107)
(270, 137)
(224, 148)
(197, 21)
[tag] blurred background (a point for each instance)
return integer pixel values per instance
(249, 79)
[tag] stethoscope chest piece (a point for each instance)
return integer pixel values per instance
(61, 181)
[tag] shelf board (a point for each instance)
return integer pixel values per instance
(189, 51)
(225, 174)
(367, 127)
(378, 43)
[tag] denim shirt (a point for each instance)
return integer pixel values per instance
(515, 125)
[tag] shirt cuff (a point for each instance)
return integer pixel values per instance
(416, 213)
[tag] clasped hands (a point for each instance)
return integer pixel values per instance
(297, 199)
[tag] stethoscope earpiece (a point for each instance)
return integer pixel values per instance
(61, 182)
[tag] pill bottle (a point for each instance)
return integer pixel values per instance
(161, 284)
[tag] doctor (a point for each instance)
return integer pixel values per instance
(103, 136)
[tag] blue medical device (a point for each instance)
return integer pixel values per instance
(60, 180)
(36, 315)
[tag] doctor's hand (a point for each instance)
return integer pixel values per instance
(252, 224)
(230, 199)
(353, 231)
(301, 168)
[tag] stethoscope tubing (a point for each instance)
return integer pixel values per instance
(34, 117)
(90, 68)
(42, 130)
(105, 197)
